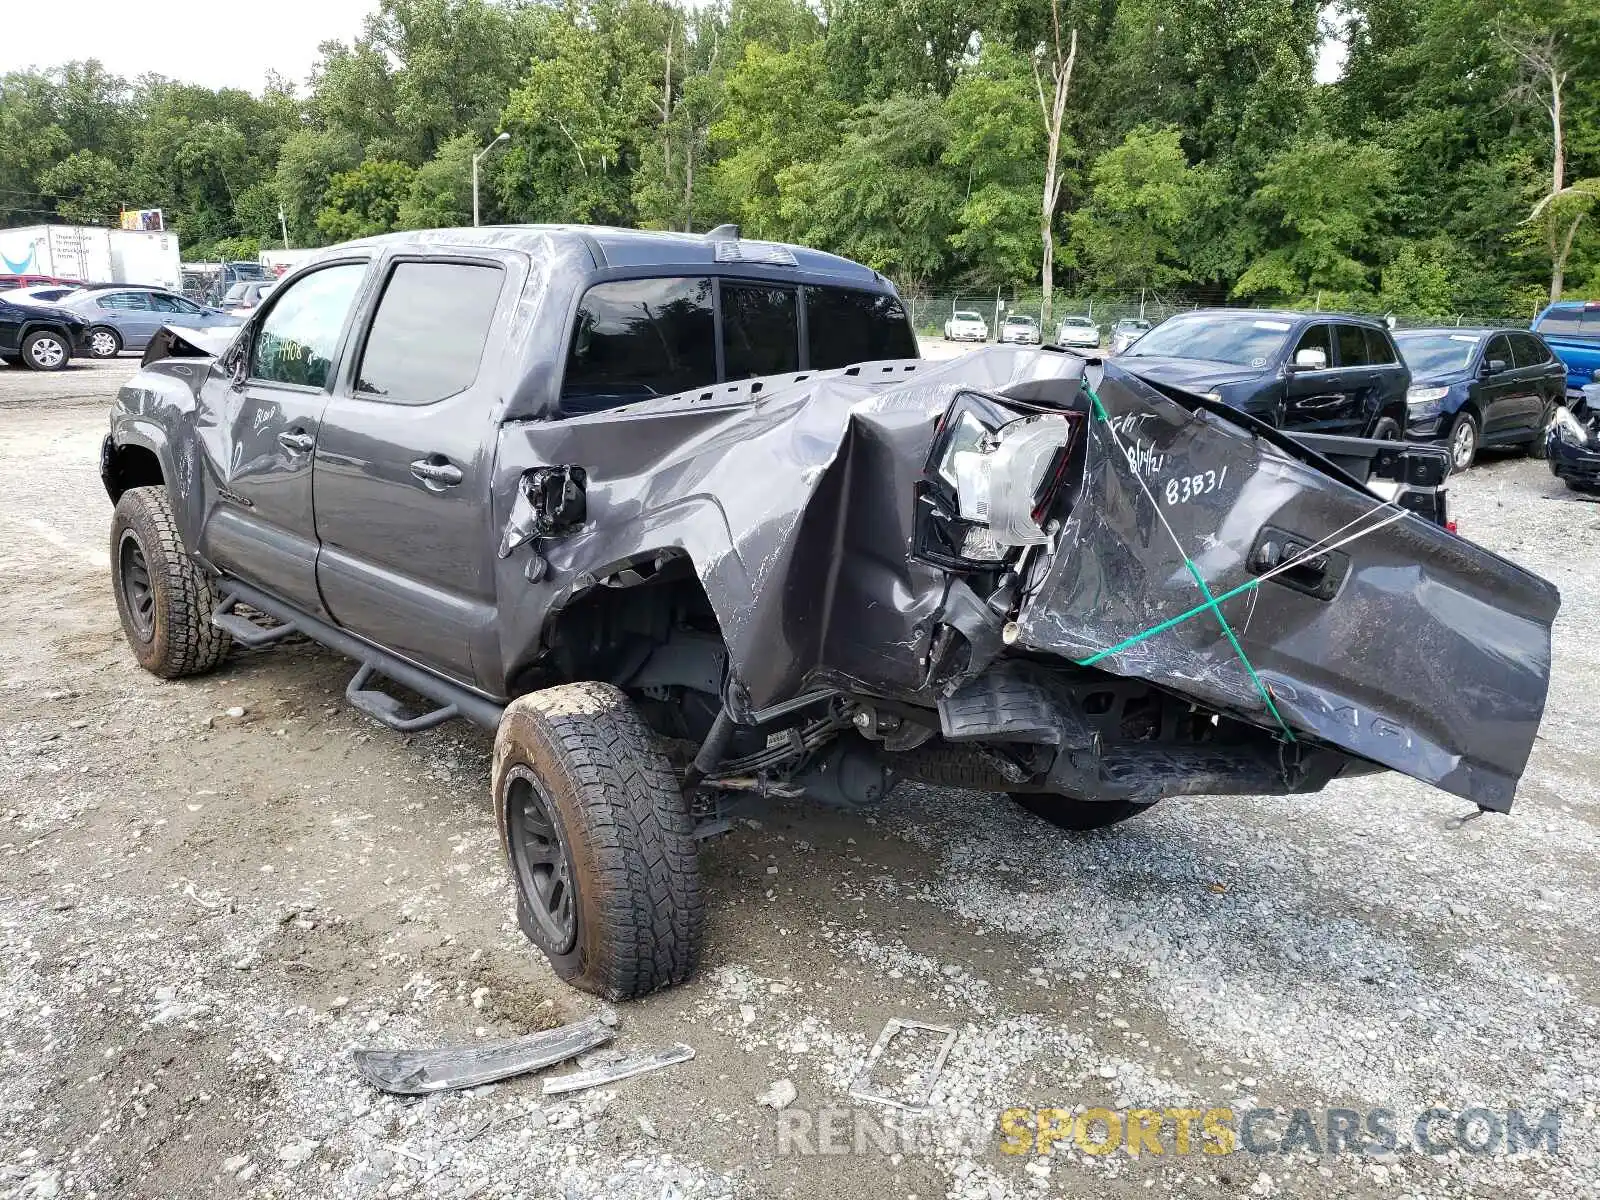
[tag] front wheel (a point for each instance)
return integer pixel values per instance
(104, 342)
(1386, 430)
(164, 600)
(1065, 812)
(1463, 442)
(599, 839)
(44, 350)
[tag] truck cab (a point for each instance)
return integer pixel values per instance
(1572, 329)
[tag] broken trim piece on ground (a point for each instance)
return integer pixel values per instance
(421, 1072)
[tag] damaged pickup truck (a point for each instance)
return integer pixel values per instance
(686, 521)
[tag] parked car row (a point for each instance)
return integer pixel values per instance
(1330, 373)
(43, 326)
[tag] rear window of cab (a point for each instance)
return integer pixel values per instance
(638, 338)
(1574, 322)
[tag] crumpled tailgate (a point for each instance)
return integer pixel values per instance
(1394, 639)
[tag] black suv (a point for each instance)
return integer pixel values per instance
(1311, 372)
(40, 337)
(686, 522)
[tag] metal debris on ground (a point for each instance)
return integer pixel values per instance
(419, 1072)
(578, 1080)
(904, 1064)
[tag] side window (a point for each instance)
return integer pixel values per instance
(637, 338)
(1352, 346)
(300, 335)
(845, 327)
(166, 304)
(428, 336)
(760, 330)
(1499, 348)
(1380, 349)
(125, 300)
(1528, 350)
(180, 304)
(1315, 338)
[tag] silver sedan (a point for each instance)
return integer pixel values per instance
(127, 318)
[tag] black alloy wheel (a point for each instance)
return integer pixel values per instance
(542, 863)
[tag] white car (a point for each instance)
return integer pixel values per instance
(966, 327)
(40, 293)
(1078, 331)
(1024, 331)
(1126, 332)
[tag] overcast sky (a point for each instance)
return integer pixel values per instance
(199, 41)
(192, 40)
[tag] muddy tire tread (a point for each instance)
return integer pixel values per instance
(641, 907)
(186, 642)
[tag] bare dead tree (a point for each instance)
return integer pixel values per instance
(1544, 80)
(1053, 109)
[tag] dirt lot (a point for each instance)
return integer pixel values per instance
(203, 913)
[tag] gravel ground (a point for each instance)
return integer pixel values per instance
(215, 889)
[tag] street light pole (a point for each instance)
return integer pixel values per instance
(476, 158)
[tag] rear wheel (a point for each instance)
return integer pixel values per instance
(164, 600)
(1065, 812)
(104, 342)
(599, 839)
(1463, 442)
(45, 350)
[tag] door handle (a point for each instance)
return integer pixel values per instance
(297, 441)
(436, 471)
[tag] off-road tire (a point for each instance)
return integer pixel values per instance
(627, 832)
(177, 637)
(37, 354)
(1065, 812)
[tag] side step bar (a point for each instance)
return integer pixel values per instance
(245, 631)
(453, 699)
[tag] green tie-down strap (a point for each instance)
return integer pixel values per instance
(1211, 604)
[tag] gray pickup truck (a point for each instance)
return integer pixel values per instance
(686, 521)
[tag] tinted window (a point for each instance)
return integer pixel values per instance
(1352, 346)
(1498, 348)
(637, 338)
(1316, 337)
(760, 331)
(298, 339)
(1241, 341)
(845, 327)
(1379, 348)
(1528, 350)
(428, 335)
(1570, 322)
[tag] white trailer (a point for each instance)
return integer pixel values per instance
(92, 254)
(152, 259)
(64, 251)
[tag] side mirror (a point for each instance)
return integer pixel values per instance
(1494, 366)
(1310, 359)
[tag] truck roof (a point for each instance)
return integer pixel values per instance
(613, 247)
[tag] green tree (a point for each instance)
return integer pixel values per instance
(1318, 205)
(1142, 193)
(88, 188)
(881, 196)
(441, 190)
(365, 201)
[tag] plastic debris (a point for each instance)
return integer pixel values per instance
(578, 1080)
(418, 1072)
(904, 1064)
